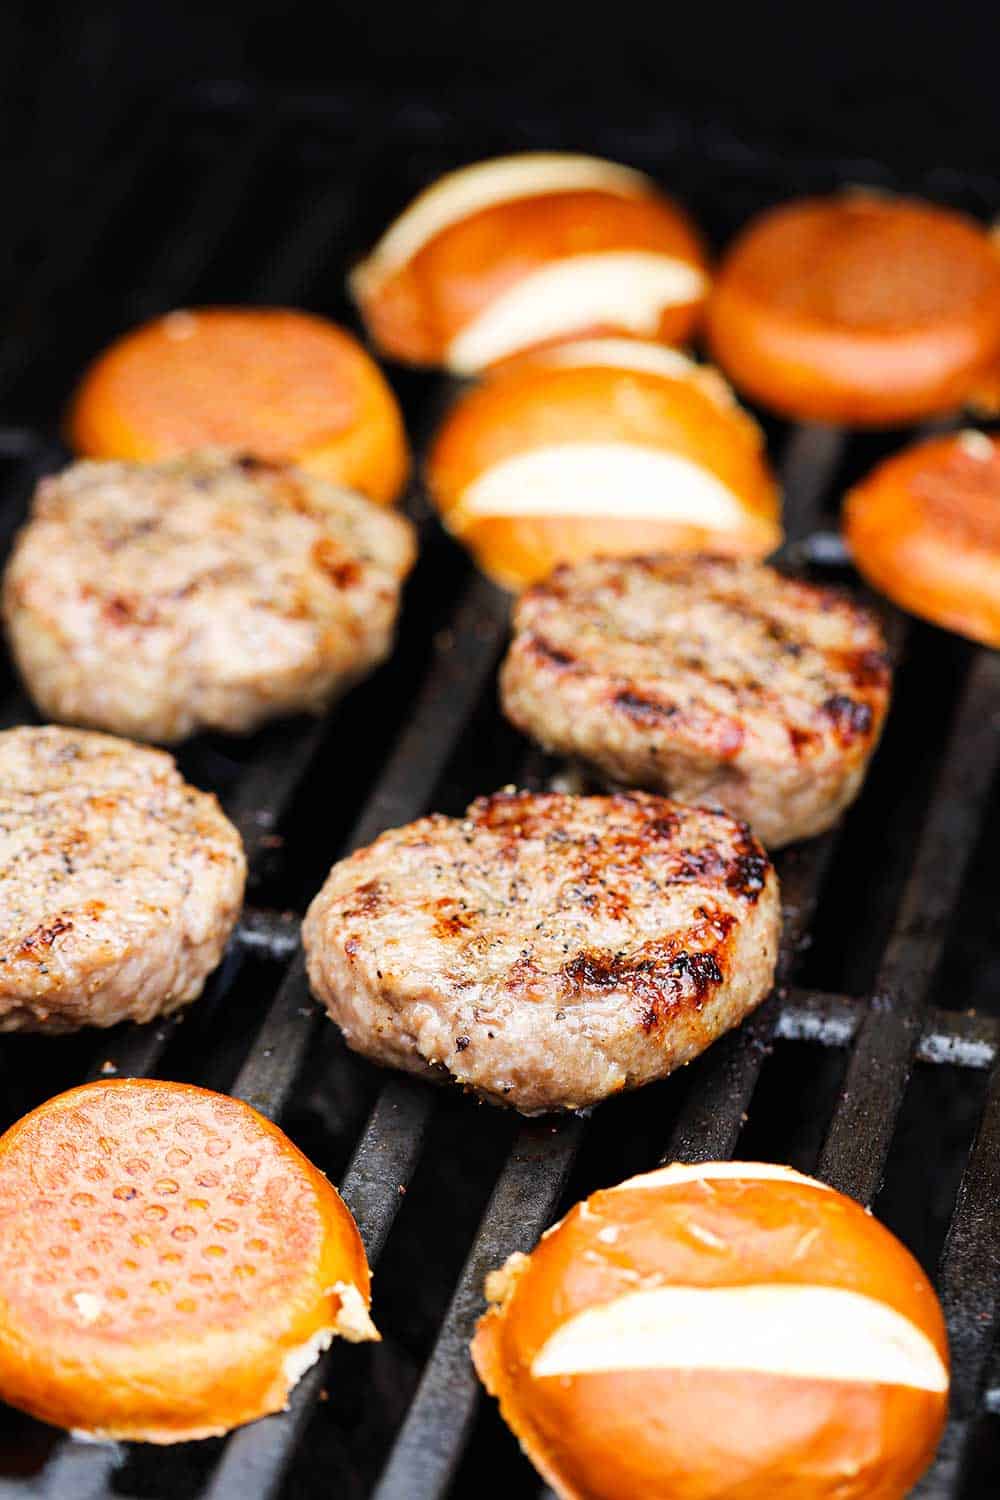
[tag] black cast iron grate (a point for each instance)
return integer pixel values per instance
(875, 1063)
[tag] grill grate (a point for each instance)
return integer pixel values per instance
(266, 200)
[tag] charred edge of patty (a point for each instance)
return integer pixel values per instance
(852, 718)
(660, 984)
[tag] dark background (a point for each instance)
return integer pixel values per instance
(896, 82)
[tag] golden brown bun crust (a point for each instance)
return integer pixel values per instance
(673, 1434)
(857, 309)
(533, 404)
(414, 313)
(924, 528)
(281, 385)
(163, 1251)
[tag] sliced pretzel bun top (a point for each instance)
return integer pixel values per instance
(924, 528)
(285, 386)
(857, 308)
(730, 1328)
(170, 1264)
(528, 250)
(612, 446)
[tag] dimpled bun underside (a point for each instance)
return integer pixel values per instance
(170, 1263)
(720, 1329)
(284, 385)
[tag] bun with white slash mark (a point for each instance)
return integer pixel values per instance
(528, 250)
(709, 1331)
(613, 446)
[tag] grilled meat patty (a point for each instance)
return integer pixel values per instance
(204, 592)
(119, 883)
(717, 681)
(547, 950)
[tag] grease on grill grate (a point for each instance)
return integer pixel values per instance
(261, 204)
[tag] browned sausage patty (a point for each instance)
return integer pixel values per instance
(154, 600)
(714, 680)
(119, 882)
(547, 950)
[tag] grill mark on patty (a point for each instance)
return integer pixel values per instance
(516, 815)
(642, 709)
(661, 982)
(744, 872)
(343, 572)
(802, 741)
(865, 669)
(851, 719)
(553, 655)
(747, 874)
(450, 917)
(368, 902)
(251, 464)
(42, 937)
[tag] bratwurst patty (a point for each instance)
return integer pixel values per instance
(547, 950)
(717, 681)
(119, 883)
(205, 592)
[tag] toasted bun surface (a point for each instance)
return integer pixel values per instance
(726, 1329)
(857, 309)
(527, 250)
(283, 385)
(924, 528)
(170, 1264)
(605, 446)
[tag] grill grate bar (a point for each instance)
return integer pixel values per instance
(858, 1142)
(133, 1051)
(383, 1163)
(809, 461)
(266, 789)
(465, 656)
(724, 1078)
(274, 933)
(524, 1200)
(959, 1039)
(969, 1274)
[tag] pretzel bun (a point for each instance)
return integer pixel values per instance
(857, 308)
(280, 385)
(528, 250)
(924, 528)
(170, 1264)
(984, 400)
(718, 1330)
(603, 446)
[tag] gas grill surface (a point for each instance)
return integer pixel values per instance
(876, 1063)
